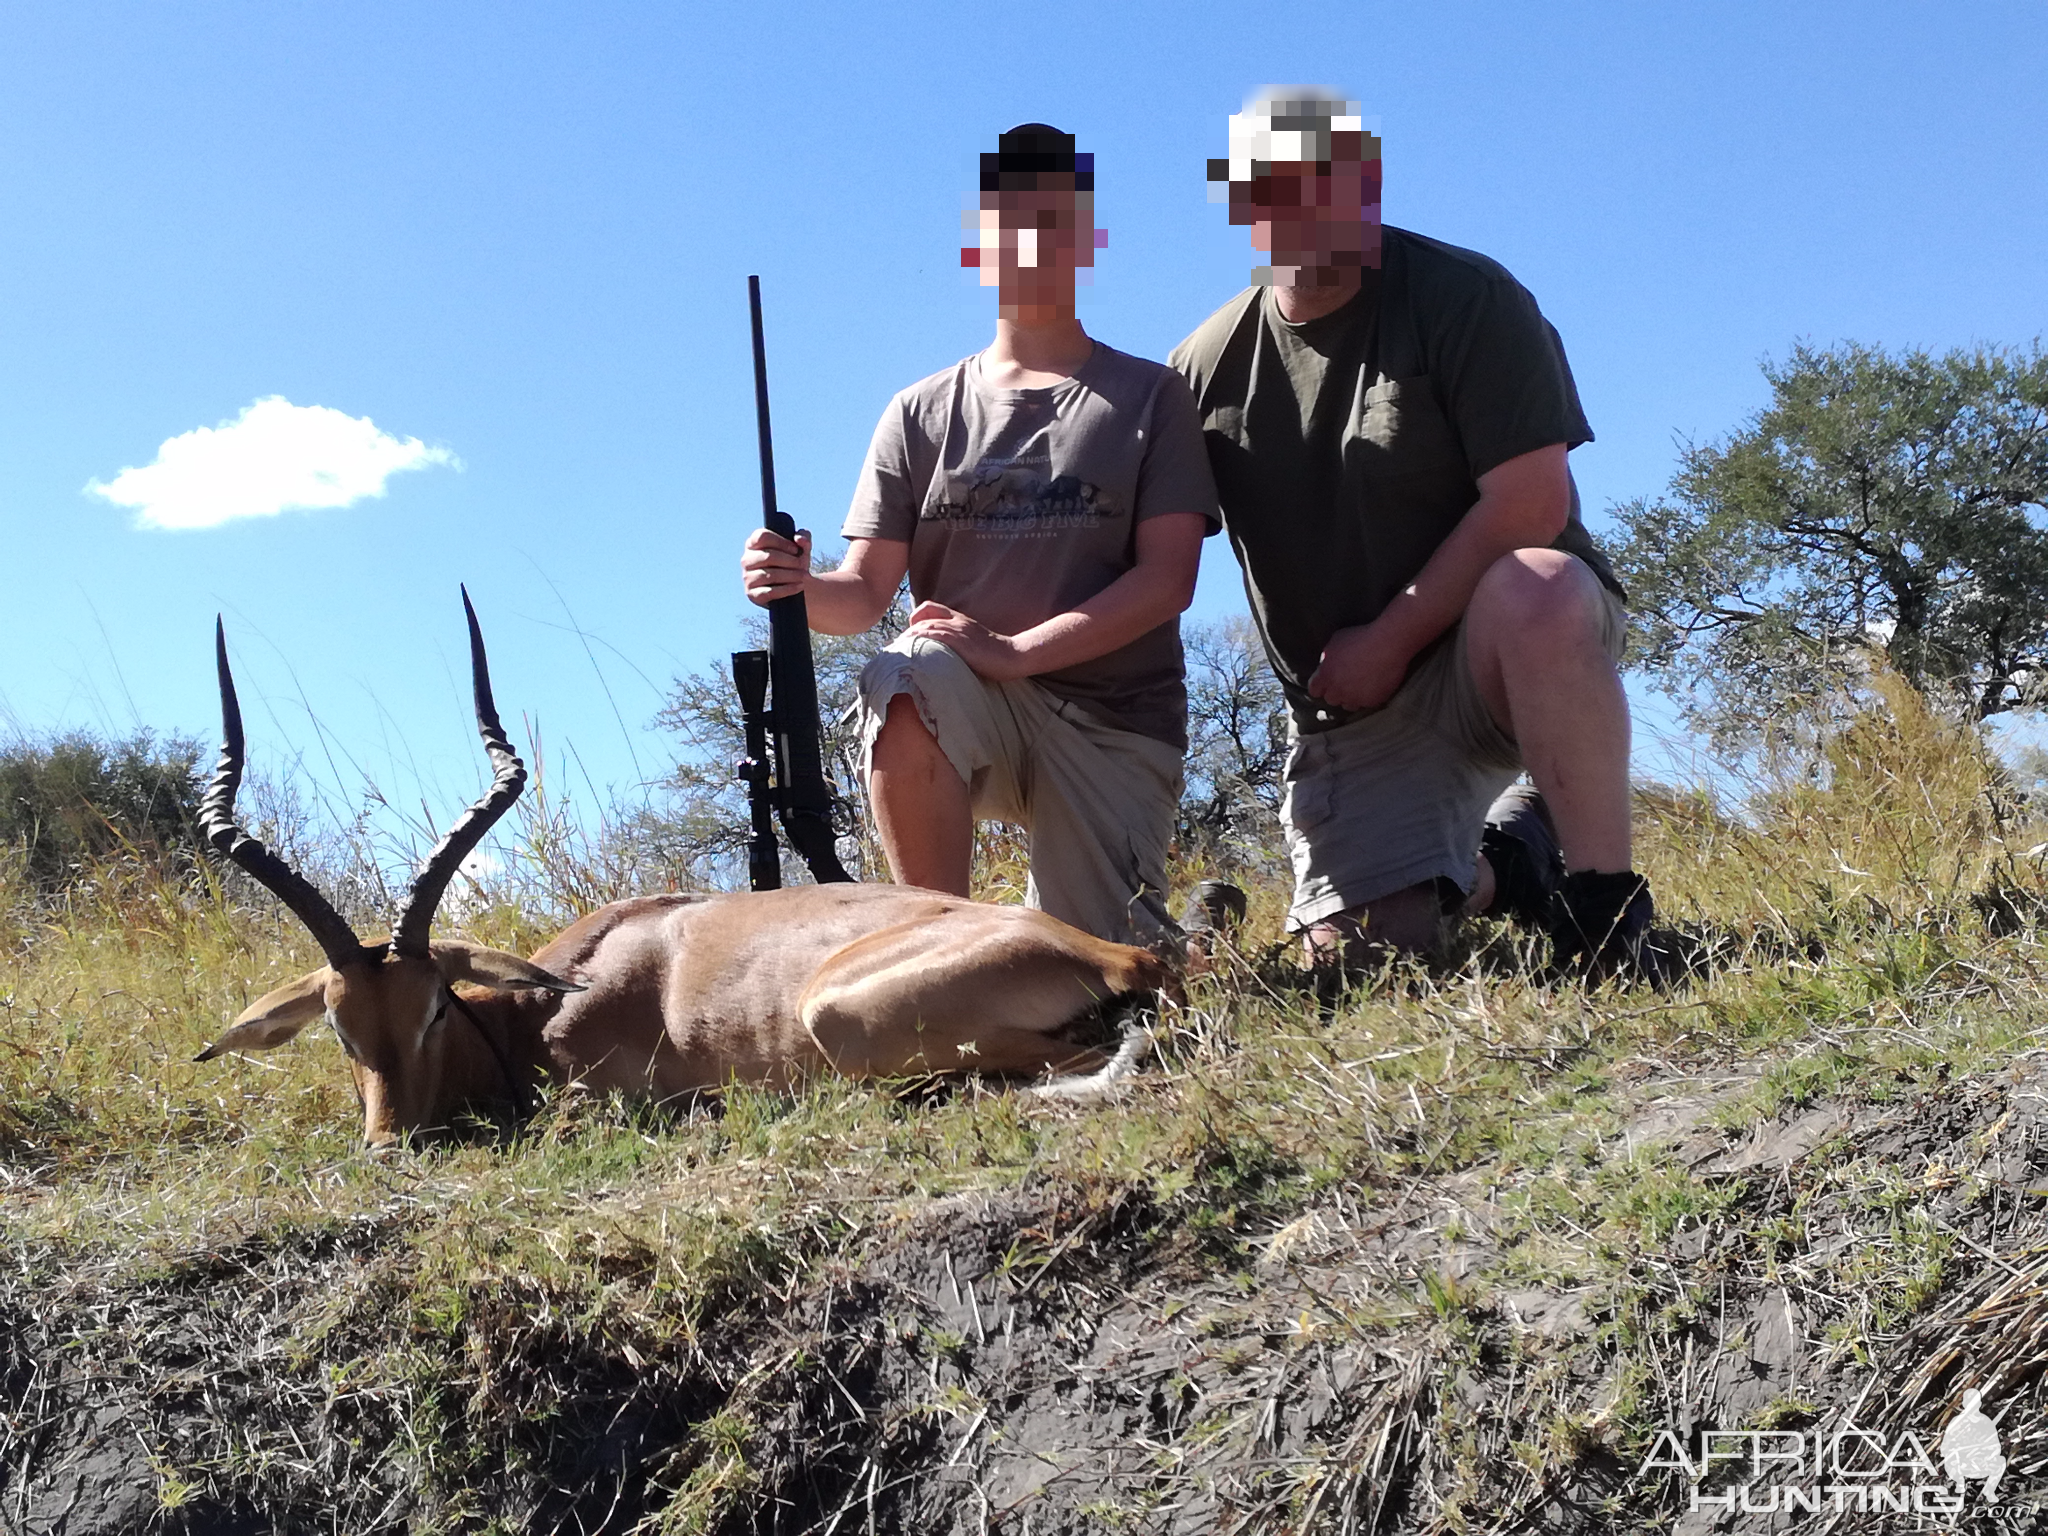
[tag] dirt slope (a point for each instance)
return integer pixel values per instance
(1065, 1358)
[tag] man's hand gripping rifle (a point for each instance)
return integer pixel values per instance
(778, 692)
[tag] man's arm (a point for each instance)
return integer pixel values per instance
(846, 601)
(1523, 504)
(1160, 585)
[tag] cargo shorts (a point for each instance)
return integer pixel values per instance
(1399, 797)
(1097, 801)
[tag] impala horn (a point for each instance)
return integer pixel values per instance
(409, 933)
(217, 826)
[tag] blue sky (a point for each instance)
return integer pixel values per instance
(518, 233)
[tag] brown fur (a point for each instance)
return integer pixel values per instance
(678, 994)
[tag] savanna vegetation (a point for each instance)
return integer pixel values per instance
(1884, 504)
(71, 804)
(1447, 1251)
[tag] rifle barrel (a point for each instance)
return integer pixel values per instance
(773, 518)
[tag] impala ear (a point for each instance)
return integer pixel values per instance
(275, 1017)
(460, 960)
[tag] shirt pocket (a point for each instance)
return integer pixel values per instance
(1399, 432)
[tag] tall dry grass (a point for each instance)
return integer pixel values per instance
(107, 991)
(610, 1234)
(1903, 822)
(1902, 816)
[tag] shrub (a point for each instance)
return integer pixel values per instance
(73, 801)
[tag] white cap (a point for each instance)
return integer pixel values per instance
(1289, 122)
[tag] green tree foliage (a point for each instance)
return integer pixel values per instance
(72, 801)
(1883, 507)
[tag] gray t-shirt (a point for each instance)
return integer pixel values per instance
(1019, 504)
(1347, 448)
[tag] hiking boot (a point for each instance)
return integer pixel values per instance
(1214, 906)
(1215, 909)
(1600, 930)
(1520, 842)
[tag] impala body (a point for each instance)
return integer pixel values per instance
(666, 996)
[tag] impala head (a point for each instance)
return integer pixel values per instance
(417, 1052)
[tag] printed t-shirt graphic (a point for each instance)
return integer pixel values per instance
(1005, 496)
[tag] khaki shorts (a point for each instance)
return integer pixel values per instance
(1098, 801)
(1399, 797)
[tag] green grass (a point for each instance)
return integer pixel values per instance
(483, 1305)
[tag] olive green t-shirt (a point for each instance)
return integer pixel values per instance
(1346, 448)
(1022, 503)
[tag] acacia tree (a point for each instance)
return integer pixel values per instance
(1883, 506)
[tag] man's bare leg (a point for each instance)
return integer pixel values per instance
(1532, 639)
(921, 804)
(1532, 636)
(1409, 921)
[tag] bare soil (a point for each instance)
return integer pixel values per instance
(1054, 1359)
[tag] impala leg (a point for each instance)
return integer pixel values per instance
(999, 1049)
(896, 1002)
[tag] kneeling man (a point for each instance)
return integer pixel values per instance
(1388, 418)
(1048, 498)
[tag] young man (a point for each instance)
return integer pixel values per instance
(1048, 498)
(1388, 418)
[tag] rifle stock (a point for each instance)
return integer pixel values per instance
(786, 721)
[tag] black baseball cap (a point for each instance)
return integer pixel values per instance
(1028, 150)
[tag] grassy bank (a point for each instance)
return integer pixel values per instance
(1446, 1254)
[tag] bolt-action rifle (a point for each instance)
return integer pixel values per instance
(784, 769)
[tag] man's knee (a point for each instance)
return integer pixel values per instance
(904, 740)
(1539, 593)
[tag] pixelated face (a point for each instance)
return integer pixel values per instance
(1032, 238)
(1310, 207)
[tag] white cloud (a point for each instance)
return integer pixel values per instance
(272, 458)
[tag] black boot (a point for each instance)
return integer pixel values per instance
(1521, 845)
(1600, 930)
(1214, 907)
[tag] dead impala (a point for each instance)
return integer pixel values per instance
(665, 996)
